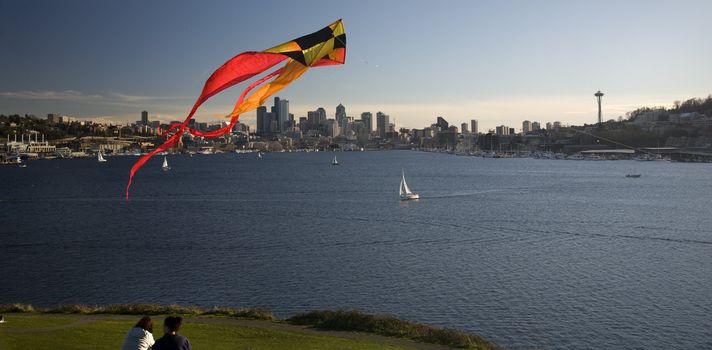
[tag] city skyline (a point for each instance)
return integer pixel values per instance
(513, 61)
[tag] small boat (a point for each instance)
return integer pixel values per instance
(635, 176)
(100, 158)
(405, 193)
(335, 162)
(23, 165)
(165, 166)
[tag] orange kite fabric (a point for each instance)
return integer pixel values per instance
(322, 48)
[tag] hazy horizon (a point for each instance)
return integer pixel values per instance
(497, 62)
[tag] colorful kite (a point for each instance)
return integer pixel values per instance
(322, 48)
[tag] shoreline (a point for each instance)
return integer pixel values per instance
(351, 324)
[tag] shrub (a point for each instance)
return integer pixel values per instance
(352, 320)
(16, 308)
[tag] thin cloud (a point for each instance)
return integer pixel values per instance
(78, 96)
(138, 98)
(67, 95)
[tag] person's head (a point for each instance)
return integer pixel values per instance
(146, 323)
(172, 324)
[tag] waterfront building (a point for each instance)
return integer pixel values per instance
(473, 126)
(144, 118)
(463, 128)
(502, 130)
(536, 126)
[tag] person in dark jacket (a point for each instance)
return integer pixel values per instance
(170, 339)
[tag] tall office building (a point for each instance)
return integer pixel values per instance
(269, 120)
(382, 121)
(463, 128)
(312, 120)
(442, 123)
(473, 126)
(331, 128)
(341, 117)
(144, 118)
(340, 111)
(536, 126)
(261, 110)
(283, 115)
(321, 113)
(502, 130)
(275, 110)
(367, 119)
(526, 126)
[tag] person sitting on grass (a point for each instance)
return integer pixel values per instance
(140, 337)
(171, 340)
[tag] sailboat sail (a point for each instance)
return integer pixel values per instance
(404, 189)
(165, 163)
(100, 157)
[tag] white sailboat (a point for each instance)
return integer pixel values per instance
(165, 166)
(100, 158)
(259, 154)
(405, 192)
(335, 162)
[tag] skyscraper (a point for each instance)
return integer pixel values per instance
(261, 110)
(282, 114)
(340, 111)
(321, 112)
(536, 126)
(313, 120)
(367, 119)
(442, 123)
(341, 117)
(275, 111)
(144, 118)
(463, 128)
(502, 130)
(383, 124)
(473, 126)
(526, 126)
(270, 123)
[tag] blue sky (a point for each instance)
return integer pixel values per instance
(497, 61)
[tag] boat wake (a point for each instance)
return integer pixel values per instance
(467, 193)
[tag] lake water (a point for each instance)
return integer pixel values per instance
(529, 253)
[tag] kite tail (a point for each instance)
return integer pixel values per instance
(183, 127)
(141, 161)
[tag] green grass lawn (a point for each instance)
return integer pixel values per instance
(106, 332)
